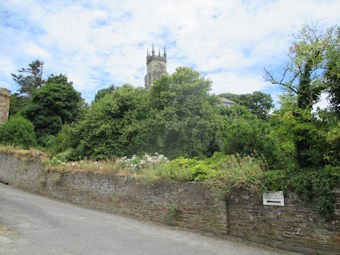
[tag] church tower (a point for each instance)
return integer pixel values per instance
(155, 66)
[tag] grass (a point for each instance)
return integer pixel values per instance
(23, 155)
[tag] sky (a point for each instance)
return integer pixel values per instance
(102, 42)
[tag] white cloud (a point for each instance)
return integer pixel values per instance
(99, 42)
(35, 51)
(235, 83)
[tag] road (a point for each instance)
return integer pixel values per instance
(33, 225)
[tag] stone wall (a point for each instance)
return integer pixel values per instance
(297, 226)
(5, 96)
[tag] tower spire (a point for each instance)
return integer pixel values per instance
(153, 50)
(164, 51)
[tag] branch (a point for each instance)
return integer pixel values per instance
(270, 77)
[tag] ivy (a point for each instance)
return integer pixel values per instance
(309, 183)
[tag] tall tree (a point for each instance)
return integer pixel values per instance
(110, 126)
(302, 80)
(183, 116)
(30, 79)
(52, 106)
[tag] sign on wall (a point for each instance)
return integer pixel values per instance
(274, 198)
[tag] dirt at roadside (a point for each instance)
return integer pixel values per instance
(6, 231)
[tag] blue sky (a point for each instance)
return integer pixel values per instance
(100, 42)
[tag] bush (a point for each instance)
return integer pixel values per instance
(65, 143)
(245, 134)
(18, 131)
(226, 170)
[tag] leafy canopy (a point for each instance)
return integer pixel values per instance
(53, 105)
(30, 79)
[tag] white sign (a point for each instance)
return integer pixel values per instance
(274, 198)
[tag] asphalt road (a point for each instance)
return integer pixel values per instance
(33, 225)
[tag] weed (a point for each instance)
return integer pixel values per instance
(57, 179)
(115, 199)
(172, 210)
(42, 180)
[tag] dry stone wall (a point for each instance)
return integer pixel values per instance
(297, 226)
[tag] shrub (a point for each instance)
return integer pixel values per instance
(18, 131)
(227, 170)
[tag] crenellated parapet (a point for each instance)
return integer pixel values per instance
(156, 66)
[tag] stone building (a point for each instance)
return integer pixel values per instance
(155, 66)
(5, 97)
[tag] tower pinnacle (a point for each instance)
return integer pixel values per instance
(155, 65)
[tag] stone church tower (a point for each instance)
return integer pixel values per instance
(5, 97)
(155, 66)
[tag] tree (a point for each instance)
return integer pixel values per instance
(52, 106)
(302, 80)
(258, 102)
(303, 72)
(111, 125)
(244, 133)
(18, 131)
(17, 103)
(59, 79)
(101, 93)
(176, 117)
(30, 79)
(332, 73)
(183, 116)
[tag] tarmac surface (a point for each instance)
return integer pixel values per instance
(34, 225)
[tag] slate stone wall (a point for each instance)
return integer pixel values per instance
(297, 226)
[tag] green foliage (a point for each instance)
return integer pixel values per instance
(101, 93)
(304, 79)
(182, 119)
(110, 126)
(227, 171)
(18, 131)
(177, 117)
(56, 180)
(65, 143)
(29, 79)
(308, 139)
(315, 182)
(332, 155)
(52, 106)
(42, 181)
(17, 104)
(258, 102)
(172, 210)
(245, 134)
(332, 73)
(59, 79)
